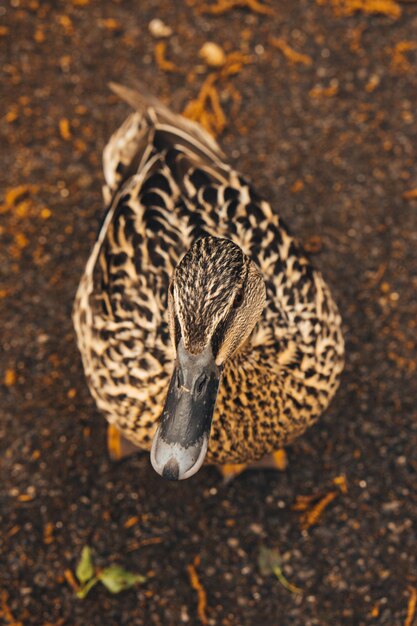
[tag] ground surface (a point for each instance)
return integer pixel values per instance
(332, 141)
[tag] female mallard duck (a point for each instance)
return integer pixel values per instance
(205, 332)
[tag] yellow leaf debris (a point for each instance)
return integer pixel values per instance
(399, 61)
(26, 497)
(21, 241)
(69, 577)
(372, 83)
(66, 24)
(342, 8)
(45, 213)
(223, 6)
(323, 92)
(411, 194)
(15, 193)
(136, 545)
(206, 107)
(311, 517)
(110, 23)
(297, 186)
(10, 378)
(64, 129)
(12, 115)
(39, 35)
(160, 57)
(131, 521)
(411, 609)
(201, 594)
(341, 482)
(5, 610)
(48, 533)
(289, 53)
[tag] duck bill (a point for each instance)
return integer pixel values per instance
(180, 444)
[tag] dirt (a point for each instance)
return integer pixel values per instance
(326, 129)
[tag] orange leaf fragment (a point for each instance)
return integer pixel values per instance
(223, 6)
(5, 610)
(201, 594)
(69, 577)
(340, 481)
(64, 129)
(289, 53)
(131, 521)
(297, 186)
(10, 378)
(160, 57)
(411, 194)
(110, 23)
(399, 61)
(26, 497)
(323, 92)
(411, 609)
(311, 517)
(21, 241)
(389, 8)
(48, 533)
(39, 35)
(66, 23)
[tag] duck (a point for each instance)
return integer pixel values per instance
(206, 334)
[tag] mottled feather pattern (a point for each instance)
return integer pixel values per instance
(169, 188)
(201, 315)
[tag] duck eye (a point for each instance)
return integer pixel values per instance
(180, 378)
(201, 384)
(238, 299)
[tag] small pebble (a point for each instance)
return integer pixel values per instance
(158, 29)
(212, 54)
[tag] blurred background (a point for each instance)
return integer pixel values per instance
(315, 101)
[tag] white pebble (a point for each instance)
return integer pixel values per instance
(158, 29)
(212, 54)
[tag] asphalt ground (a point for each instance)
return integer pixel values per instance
(331, 139)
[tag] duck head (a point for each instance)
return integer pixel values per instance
(215, 298)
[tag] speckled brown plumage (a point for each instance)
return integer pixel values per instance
(170, 194)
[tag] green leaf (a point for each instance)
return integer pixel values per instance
(269, 562)
(85, 568)
(81, 593)
(116, 579)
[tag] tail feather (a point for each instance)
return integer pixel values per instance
(165, 120)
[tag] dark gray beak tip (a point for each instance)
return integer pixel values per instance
(171, 470)
(174, 462)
